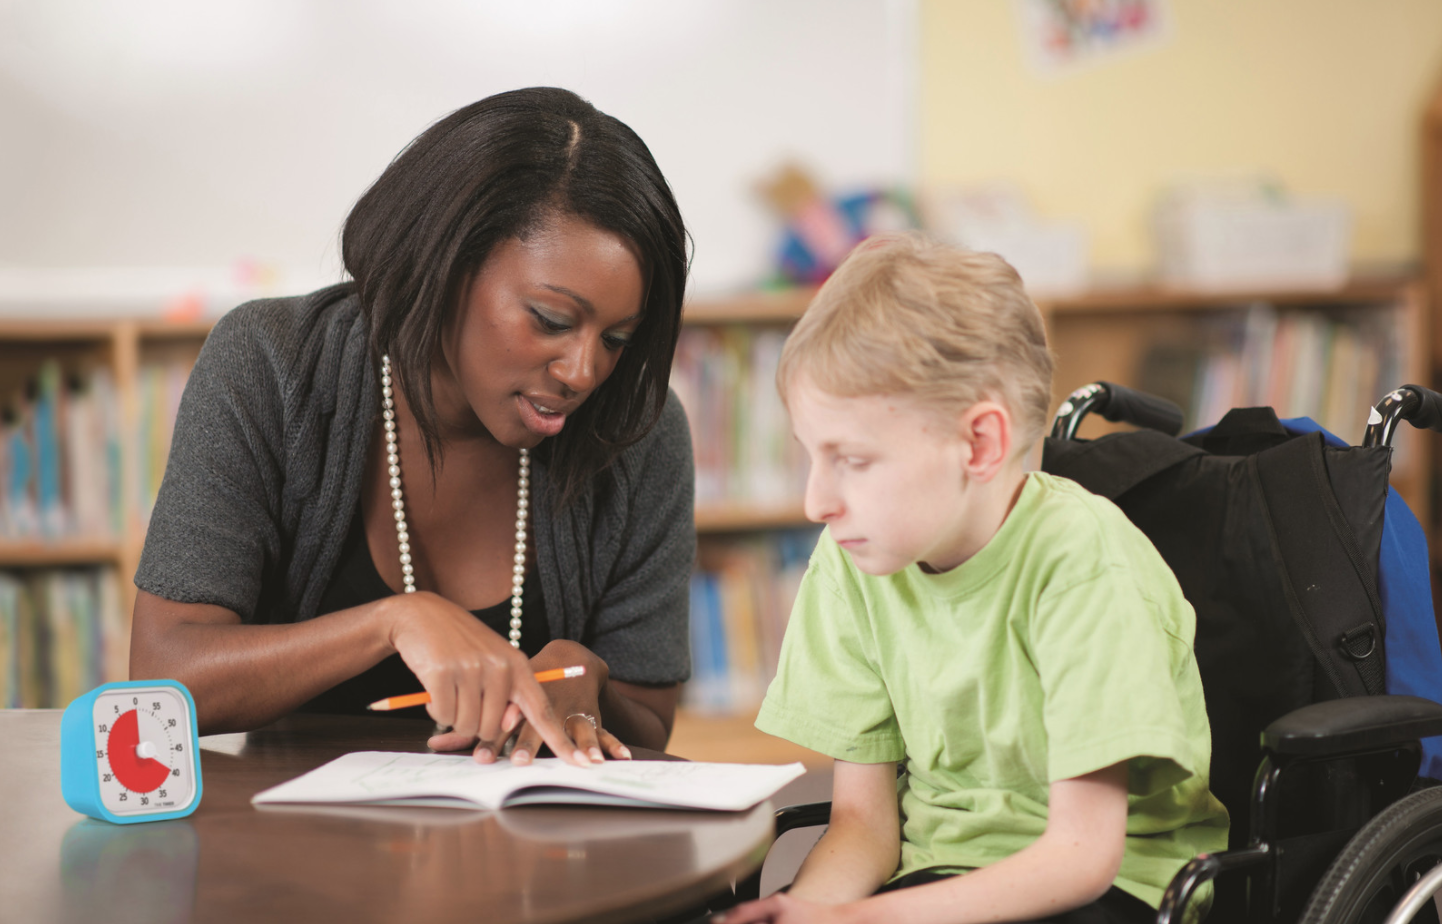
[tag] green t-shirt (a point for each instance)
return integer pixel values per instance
(1062, 647)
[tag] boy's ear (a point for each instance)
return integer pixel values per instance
(986, 426)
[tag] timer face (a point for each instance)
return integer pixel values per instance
(144, 760)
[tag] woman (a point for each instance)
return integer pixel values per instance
(456, 470)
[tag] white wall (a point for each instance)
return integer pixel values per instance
(152, 139)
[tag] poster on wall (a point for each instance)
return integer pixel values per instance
(1059, 36)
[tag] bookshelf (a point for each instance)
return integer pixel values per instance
(113, 366)
(1125, 335)
(753, 538)
(1107, 333)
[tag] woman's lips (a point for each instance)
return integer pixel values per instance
(538, 418)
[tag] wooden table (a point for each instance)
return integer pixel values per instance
(233, 862)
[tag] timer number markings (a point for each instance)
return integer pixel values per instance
(138, 752)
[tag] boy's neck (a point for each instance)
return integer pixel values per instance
(992, 502)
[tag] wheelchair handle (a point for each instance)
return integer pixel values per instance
(1421, 407)
(1117, 403)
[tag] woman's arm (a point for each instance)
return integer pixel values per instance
(640, 714)
(245, 676)
(1072, 864)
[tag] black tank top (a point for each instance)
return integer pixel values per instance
(356, 581)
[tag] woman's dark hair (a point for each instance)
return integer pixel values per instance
(497, 170)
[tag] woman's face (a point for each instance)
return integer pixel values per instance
(541, 326)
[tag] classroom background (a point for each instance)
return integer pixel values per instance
(1226, 203)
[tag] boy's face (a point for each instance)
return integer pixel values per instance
(887, 477)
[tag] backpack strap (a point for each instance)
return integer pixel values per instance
(1330, 589)
(1114, 464)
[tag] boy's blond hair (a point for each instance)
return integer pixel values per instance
(906, 315)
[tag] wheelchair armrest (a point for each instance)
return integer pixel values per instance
(1352, 724)
(807, 815)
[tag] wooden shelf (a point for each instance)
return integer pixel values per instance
(62, 553)
(763, 307)
(100, 329)
(724, 518)
(1360, 290)
(735, 739)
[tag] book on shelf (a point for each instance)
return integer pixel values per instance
(60, 458)
(725, 376)
(92, 442)
(1329, 365)
(740, 602)
(62, 633)
(60, 452)
(19, 510)
(457, 781)
(48, 460)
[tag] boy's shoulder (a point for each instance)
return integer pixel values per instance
(1063, 501)
(1056, 511)
(1080, 538)
(1060, 528)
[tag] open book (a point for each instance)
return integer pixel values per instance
(457, 781)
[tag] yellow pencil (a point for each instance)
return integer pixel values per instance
(420, 699)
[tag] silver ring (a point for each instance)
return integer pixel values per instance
(582, 715)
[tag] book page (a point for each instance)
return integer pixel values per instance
(383, 777)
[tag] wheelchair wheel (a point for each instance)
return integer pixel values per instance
(1380, 863)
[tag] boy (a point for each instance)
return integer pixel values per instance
(1013, 639)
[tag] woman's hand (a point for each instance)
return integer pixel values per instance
(574, 699)
(786, 909)
(480, 686)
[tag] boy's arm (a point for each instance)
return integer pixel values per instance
(862, 845)
(1072, 864)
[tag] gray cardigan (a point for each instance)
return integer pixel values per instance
(265, 474)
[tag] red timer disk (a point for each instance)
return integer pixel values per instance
(131, 759)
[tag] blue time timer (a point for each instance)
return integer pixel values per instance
(129, 752)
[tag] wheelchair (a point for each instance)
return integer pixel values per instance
(1318, 765)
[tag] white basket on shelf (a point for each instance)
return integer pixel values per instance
(1250, 237)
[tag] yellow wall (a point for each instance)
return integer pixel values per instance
(1326, 95)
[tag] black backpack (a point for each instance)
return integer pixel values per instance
(1274, 538)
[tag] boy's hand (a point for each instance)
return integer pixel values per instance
(785, 909)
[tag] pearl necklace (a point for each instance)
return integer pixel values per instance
(398, 504)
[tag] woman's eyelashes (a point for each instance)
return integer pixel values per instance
(551, 324)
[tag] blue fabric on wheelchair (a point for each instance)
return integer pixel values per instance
(1413, 655)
